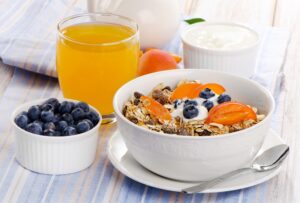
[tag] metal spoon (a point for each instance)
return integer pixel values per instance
(268, 160)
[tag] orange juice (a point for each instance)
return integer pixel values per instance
(94, 60)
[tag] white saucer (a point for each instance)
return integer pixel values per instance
(126, 164)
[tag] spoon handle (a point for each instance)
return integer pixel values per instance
(208, 184)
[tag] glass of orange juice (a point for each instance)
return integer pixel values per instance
(96, 53)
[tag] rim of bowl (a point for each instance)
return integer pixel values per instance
(175, 136)
(183, 38)
(53, 138)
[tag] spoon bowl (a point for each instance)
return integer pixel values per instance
(271, 158)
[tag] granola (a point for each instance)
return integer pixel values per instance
(189, 115)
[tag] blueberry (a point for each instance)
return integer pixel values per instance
(206, 93)
(21, 120)
(54, 102)
(47, 107)
(208, 104)
(190, 102)
(69, 131)
(73, 126)
(65, 107)
(61, 125)
(34, 128)
(223, 98)
(47, 116)
(41, 123)
(177, 103)
(68, 118)
(34, 112)
(56, 109)
(49, 125)
(49, 132)
(78, 114)
(93, 116)
(89, 122)
(190, 112)
(57, 118)
(84, 106)
(82, 127)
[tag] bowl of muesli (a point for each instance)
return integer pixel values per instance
(193, 124)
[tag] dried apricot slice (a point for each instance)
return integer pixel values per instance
(229, 113)
(186, 91)
(155, 108)
(217, 88)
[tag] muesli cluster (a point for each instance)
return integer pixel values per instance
(191, 108)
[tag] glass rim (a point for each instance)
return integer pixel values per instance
(64, 20)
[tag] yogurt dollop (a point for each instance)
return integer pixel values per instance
(179, 105)
(221, 36)
(178, 111)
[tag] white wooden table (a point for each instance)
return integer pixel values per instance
(284, 13)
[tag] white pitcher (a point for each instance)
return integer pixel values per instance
(158, 20)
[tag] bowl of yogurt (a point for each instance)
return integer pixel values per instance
(227, 47)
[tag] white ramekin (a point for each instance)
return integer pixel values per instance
(240, 61)
(190, 158)
(54, 155)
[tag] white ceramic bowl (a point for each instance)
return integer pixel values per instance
(195, 158)
(239, 61)
(54, 155)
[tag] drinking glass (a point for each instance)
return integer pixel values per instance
(96, 53)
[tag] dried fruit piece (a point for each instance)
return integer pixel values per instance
(229, 113)
(217, 88)
(155, 108)
(186, 90)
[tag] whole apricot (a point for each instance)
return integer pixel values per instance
(155, 60)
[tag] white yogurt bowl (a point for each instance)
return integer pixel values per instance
(226, 47)
(54, 154)
(195, 158)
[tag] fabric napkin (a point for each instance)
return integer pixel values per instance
(28, 32)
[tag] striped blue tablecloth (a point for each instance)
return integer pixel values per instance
(26, 31)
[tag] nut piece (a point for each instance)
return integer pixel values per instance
(161, 96)
(136, 102)
(137, 95)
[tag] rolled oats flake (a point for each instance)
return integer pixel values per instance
(260, 117)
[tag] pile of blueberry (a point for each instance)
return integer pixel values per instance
(208, 93)
(53, 118)
(190, 109)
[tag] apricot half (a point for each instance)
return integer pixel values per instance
(155, 60)
(229, 113)
(187, 90)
